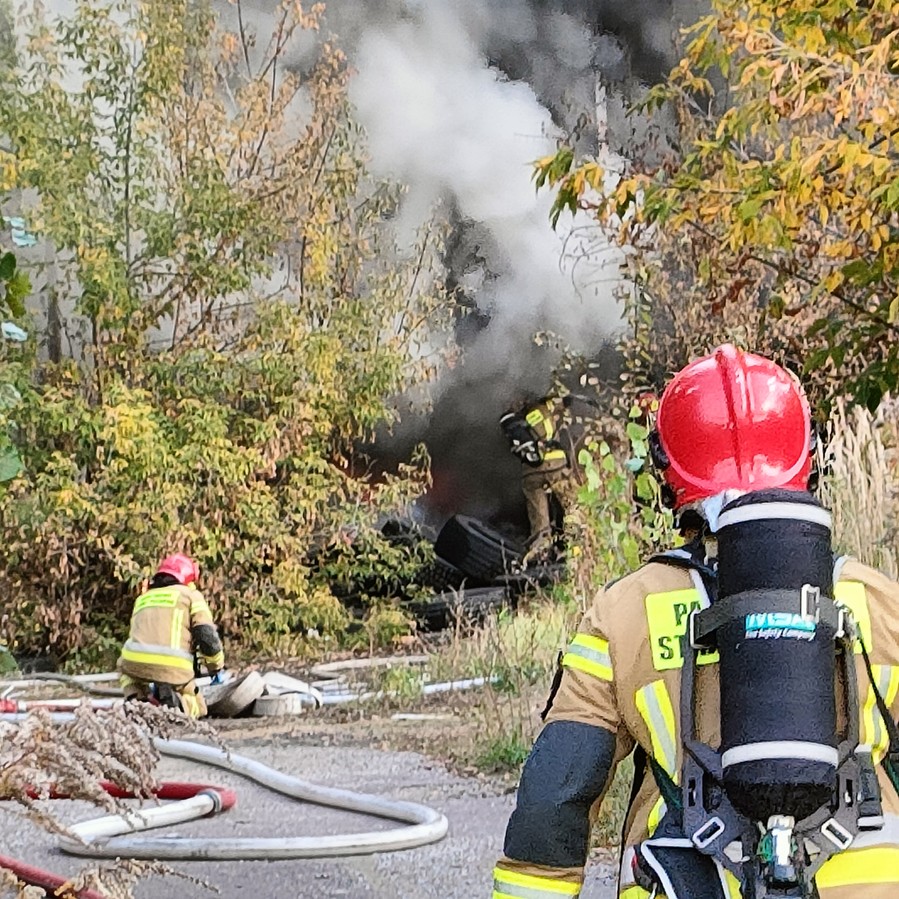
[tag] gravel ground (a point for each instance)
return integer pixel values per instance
(458, 867)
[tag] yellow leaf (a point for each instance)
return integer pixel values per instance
(834, 280)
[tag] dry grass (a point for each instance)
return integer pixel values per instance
(11, 886)
(39, 757)
(488, 730)
(516, 654)
(861, 484)
(519, 653)
(610, 819)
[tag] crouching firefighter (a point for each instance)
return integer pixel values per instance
(170, 624)
(753, 675)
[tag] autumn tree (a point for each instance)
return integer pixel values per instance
(768, 212)
(233, 313)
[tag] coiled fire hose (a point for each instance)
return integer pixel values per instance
(102, 837)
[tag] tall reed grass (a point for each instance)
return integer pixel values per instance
(860, 483)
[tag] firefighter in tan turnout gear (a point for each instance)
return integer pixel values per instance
(546, 436)
(171, 622)
(790, 786)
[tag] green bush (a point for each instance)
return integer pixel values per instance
(619, 519)
(242, 322)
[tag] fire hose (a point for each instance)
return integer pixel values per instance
(52, 884)
(101, 837)
(55, 885)
(104, 837)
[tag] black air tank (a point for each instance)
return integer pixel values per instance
(778, 703)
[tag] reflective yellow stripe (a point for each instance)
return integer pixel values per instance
(654, 704)
(886, 679)
(852, 595)
(199, 606)
(589, 654)
(514, 885)
(156, 598)
(633, 893)
(216, 661)
(535, 418)
(733, 885)
(656, 815)
(153, 658)
(859, 867)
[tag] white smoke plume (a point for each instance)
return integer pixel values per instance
(449, 124)
(458, 98)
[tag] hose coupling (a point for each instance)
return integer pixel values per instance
(216, 798)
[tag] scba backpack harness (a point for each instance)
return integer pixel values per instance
(533, 436)
(785, 791)
(523, 439)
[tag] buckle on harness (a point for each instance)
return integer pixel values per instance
(845, 623)
(810, 602)
(836, 833)
(708, 833)
(691, 632)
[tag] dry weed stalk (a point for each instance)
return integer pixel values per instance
(861, 483)
(118, 880)
(10, 886)
(517, 654)
(40, 757)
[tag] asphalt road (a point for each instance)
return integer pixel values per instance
(458, 867)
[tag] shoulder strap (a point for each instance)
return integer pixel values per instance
(554, 686)
(692, 558)
(640, 759)
(891, 759)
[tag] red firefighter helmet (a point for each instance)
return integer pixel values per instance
(181, 567)
(732, 421)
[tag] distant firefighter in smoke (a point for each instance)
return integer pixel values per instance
(546, 435)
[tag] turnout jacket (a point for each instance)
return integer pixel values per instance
(168, 625)
(620, 689)
(546, 421)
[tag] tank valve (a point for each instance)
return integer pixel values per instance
(777, 847)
